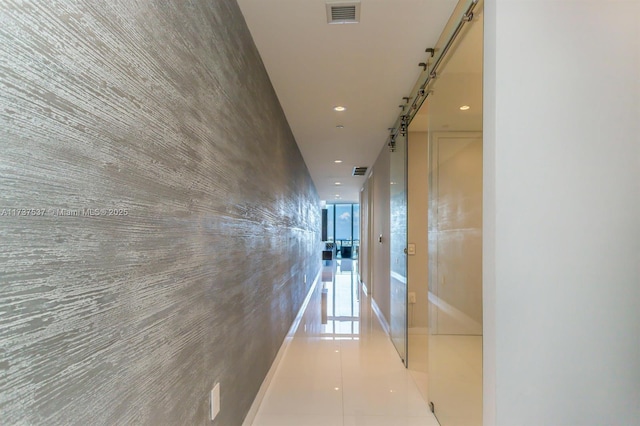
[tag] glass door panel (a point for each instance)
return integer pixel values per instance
(398, 244)
(455, 233)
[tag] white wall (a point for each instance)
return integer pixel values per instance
(562, 213)
(380, 251)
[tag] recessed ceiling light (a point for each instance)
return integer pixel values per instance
(338, 183)
(337, 161)
(339, 126)
(337, 195)
(339, 108)
(464, 107)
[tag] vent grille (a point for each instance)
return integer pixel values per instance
(343, 13)
(359, 171)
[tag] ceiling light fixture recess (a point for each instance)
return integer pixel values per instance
(343, 12)
(339, 126)
(337, 161)
(338, 183)
(339, 108)
(464, 107)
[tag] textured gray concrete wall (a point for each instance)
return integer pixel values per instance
(157, 218)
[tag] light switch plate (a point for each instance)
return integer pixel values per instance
(411, 249)
(215, 401)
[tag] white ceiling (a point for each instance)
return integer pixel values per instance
(367, 67)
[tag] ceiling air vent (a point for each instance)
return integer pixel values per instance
(359, 171)
(343, 13)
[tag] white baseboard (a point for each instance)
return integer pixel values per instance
(253, 411)
(381, 319)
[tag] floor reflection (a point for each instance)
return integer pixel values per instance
(340, 300)
(340, 368)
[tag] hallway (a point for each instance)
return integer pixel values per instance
(163, 171)
(340, 368)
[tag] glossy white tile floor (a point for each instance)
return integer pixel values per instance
(455, 381)
(342, 371)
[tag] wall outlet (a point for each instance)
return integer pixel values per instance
(412, 297)
(215, 401)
